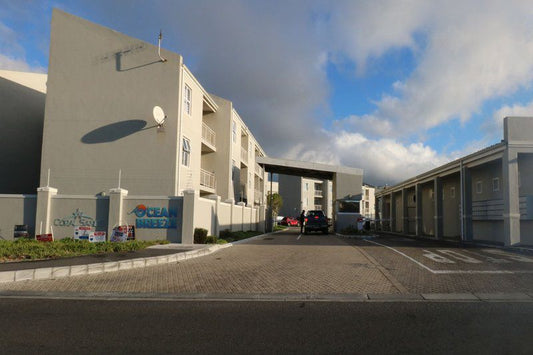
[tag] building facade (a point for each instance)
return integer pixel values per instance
(486, 196)
(301, 193)
(368, 201)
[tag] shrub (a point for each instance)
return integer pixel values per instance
(211, 239)
(200, 235)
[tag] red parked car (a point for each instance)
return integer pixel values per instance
(289, 221)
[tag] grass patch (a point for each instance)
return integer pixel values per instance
(29, 249)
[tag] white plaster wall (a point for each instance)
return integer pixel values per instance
(16, 209)
(205, 214)
(224, 216)
(62, 207)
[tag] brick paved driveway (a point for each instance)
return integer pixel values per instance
(426, 266)
(287, 263)
(273, 264)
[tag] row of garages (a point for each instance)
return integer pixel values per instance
(495, 186)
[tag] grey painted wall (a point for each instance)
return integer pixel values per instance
(290, 188)
(451, 202)
(102, 87)
(21, 127)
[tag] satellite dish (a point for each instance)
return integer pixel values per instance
(159, 115)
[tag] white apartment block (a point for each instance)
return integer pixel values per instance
(301, 193)
(368, 201)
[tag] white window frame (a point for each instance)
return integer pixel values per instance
(496, 184)
(187, 99)
(186, 152)
(479, 187)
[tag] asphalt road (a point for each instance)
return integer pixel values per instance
(75, 326)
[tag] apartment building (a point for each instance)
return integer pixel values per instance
(301, 193)
(368, 200)
(102, 89)
(485, 197)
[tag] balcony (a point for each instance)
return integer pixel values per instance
(318, 193)
(258, 170)
(244, 156)
(318, 207)
(208, 139)
(258, 197)
(207, 181)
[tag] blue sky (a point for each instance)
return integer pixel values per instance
(393, 87)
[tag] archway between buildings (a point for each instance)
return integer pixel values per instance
(347, 182)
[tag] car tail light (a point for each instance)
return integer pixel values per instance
(316, 217)
(359, 219)
(306, 219)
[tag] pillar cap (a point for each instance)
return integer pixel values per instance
(118, 190)
(47, 189)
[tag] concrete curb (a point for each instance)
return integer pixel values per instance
(201, 297)
(51, 273)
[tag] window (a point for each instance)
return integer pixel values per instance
(186, 152)
(187, 100)
(496, 184)
(479, 187)
(452, 192)
(234, 132)
(306, 186)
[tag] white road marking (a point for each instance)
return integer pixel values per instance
(452, 271)
(509, 255)
(437, 258)
(459, 256)
(299, 237)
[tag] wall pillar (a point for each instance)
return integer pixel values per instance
(437, 218)
(392, 215)
(467, 234)
(261, 218)
(511, 198)
(217, 199)
(243, 205)
(231, 202)
(418, 218)
(116, 209)
(190, 201)
(405, 214)
(43, 212)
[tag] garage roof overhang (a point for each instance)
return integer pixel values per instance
(305, 169)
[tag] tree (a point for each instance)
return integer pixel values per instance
(275, 202)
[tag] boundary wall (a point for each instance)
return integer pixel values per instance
(172, 218)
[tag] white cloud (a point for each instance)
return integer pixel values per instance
(495, 126)
(12, 53)
(470, 52)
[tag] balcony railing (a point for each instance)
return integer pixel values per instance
(207, 179)
(318, 193)
(258, 170)
(208, 135)
(244, 155)
(258, 196)
(318, 207)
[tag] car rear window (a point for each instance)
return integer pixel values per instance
(315, 213)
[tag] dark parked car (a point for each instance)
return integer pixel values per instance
(316, 221)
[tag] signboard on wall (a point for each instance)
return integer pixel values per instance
(21, 231)
(123, 233)
(88, 234)
(45, 237)
(155, 217)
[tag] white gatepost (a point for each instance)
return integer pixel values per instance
(217, 199)
(190, 201)
(116, 209)
(261, 218)
(243, 205)
(231, 214)
(43, 211)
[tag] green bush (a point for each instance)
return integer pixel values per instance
(200, 235)
(211, 239)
